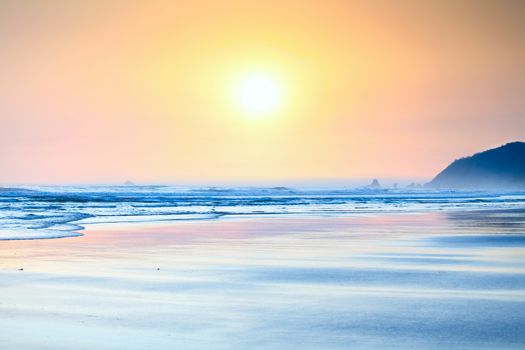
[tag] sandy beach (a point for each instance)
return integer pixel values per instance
(404, 281)
(262, 175)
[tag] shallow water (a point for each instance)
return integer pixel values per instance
(383, 281)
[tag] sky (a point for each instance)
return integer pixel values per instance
(154, 91)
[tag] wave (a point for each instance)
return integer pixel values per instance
(62, 211)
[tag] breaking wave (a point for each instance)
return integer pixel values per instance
(59, 211)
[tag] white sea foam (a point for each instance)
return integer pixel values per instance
(62, 211)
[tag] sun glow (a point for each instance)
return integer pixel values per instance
(258, 94)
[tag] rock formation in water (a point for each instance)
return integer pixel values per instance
(374, 184)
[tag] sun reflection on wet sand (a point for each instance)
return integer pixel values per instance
(389, 281)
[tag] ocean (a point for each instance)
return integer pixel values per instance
(36, 212)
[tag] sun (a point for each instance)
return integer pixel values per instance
(258, 94)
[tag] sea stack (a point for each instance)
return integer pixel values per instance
(374, 184)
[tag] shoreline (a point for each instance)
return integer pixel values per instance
(63, 211)
(86, 227)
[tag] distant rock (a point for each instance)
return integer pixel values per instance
(129, 183)
(374, 184)
(498, 168)
(281, 188)
(414, 185)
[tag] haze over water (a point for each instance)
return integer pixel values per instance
(228, 90)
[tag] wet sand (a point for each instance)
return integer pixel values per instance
(425, 281)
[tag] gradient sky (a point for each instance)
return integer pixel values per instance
(104, 91)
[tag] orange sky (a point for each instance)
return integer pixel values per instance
(104, 91)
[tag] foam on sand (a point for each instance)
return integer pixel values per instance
(63, 211)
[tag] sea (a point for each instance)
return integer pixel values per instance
(37, 212)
